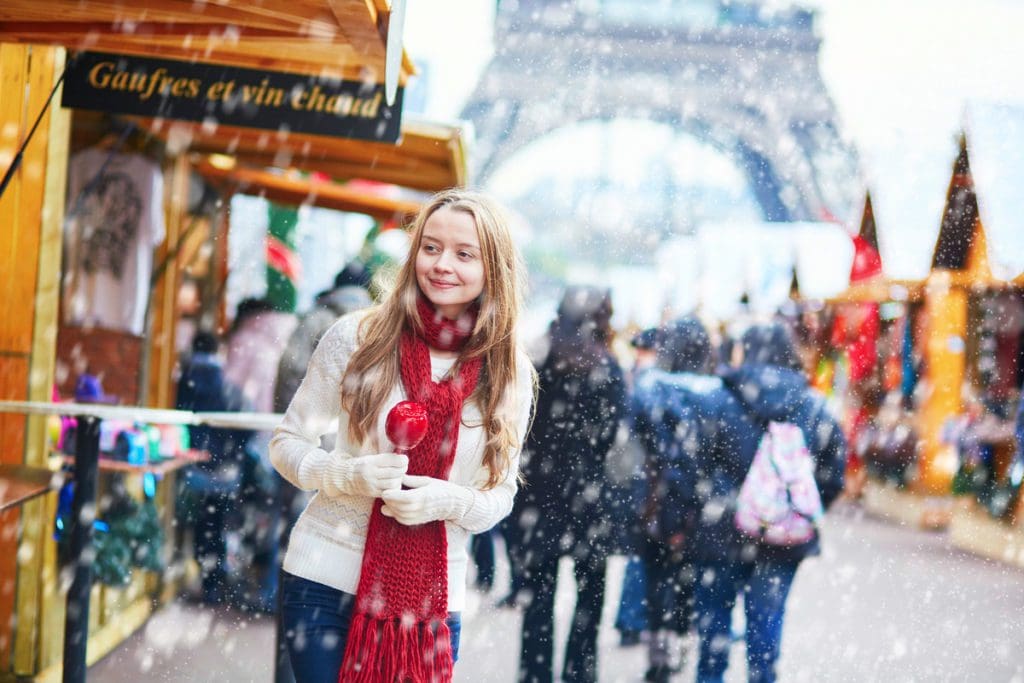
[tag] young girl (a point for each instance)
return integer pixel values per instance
(376, 565)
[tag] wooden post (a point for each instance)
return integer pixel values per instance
(164, 296)
(31, 216)
(946, 325)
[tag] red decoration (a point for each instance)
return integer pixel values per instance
(406, 425)
(867, 263)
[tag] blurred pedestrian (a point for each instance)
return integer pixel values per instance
(672, 404)
(632, 620)
(563, 508)
(768, 386)
(211, 489)
(349, 293)
(256, 342)
(376, 564)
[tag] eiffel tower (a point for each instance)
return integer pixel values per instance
(731, 73)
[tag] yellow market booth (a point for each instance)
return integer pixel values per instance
(335, 40)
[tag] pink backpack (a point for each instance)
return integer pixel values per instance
(779, 503)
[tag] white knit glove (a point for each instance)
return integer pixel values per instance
(426, 500)
(364, 475)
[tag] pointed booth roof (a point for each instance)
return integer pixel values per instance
(961, 247)
(868, 284)
(868, 231)
(867, 261)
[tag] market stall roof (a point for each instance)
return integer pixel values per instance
(428, 156)
(879, 290)
(322, 37)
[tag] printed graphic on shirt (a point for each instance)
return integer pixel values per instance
(109, 213)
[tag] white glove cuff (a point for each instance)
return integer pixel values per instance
(462, 502)
(328, 473)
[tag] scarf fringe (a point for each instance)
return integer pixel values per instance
(387, 651)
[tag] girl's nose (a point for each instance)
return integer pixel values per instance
(443, 261)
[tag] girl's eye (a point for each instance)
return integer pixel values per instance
(429, 248)
(465, 255)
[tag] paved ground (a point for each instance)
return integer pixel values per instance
(883, 603)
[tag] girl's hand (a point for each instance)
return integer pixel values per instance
(365, 475)
(426, 500)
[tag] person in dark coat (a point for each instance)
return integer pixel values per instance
(632, 619)
(214, 485)
(561, 510)
(666, 402)
(719, 431)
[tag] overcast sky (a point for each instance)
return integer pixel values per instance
(900, 72)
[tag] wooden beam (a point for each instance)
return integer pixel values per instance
(428, 156)
(303, 191)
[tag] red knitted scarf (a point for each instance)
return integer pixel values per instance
(398, 632)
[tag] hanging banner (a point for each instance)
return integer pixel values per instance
(272, 100)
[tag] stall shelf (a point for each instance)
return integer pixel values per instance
(77, 655)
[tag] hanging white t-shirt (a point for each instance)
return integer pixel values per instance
(110, 233)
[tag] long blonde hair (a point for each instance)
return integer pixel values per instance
(373, 369)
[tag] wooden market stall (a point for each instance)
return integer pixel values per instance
(988, 518)
(961, 383)
(959, 268)
(865, 331)
(344, 40)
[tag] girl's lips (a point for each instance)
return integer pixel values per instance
(442, 285)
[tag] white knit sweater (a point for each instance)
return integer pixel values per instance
(327, 542)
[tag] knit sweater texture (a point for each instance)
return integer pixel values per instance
(326, 544)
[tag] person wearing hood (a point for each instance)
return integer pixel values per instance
(563, 508)
(669, 402)
(768, 386)
(349, 293)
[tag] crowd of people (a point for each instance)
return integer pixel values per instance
(700, 419)
(377, 559)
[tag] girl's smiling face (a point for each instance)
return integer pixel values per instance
(449, 267)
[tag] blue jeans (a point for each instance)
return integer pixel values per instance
(315, 619)
(765, 587)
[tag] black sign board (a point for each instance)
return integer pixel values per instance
(233, 96)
